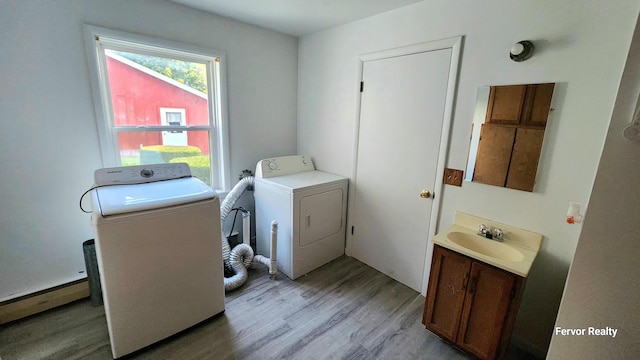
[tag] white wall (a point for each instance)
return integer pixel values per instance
(580, 47)
(603, 288)
(49, 142)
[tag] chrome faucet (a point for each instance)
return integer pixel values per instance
(490, 233)
(498, 234)
(483, 230)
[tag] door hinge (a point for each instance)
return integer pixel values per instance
(361, 86)
(352, 230)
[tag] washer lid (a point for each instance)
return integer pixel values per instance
(120, 199)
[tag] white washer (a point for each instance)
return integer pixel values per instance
(310, 207)
(158, 250)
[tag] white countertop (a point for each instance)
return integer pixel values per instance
(525, 242)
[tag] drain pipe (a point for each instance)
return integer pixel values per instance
(246, 228)
(272, 262)
(273, 269)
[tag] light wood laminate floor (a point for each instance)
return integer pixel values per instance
(344, 310)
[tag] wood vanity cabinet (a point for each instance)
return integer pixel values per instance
(471, 304)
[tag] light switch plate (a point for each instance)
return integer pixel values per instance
(453, 177)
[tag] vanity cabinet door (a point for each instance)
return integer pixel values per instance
(471, 304)
(445, 295)
(486, 307)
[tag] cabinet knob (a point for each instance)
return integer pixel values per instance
(425, 194)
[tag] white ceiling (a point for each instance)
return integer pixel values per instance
(296, 17)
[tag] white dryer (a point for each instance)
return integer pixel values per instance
(158, 250)
(310, 207)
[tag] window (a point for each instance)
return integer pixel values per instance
(159, 101)
(176, 118)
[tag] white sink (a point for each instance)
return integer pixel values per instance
(515, 254)
(485, 246)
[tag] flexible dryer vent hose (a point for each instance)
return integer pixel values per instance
(241, 257)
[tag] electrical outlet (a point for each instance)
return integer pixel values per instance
(453, 177)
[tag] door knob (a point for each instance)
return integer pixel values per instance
(425, 194)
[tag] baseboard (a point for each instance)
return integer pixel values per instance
(44, 300)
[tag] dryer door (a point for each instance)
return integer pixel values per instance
(320, 216)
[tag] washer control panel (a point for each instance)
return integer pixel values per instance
(140, 174)
(284, 165)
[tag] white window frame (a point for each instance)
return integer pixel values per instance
(97, 39)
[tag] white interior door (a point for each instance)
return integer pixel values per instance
(403, 104)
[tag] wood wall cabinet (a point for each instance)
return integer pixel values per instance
(537, 111)
(508, 156)
(523, 166)
(494, 154)
(505, 104)
(511, 137)
(519, 104)
(471, 304)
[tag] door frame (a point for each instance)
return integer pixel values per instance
(455, 44)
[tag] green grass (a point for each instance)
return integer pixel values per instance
(130, 160)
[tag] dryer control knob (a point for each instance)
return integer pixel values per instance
(273, 165)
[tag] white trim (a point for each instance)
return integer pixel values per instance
(455, 44)
(351, 197)
(448, 43)
(101, 110)
(95, 40)
(121, 129)
(222, 123)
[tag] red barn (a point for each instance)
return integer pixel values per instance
(143, 97)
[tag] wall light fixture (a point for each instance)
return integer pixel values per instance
(521, 51)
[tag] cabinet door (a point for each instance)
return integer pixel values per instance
(524, 159)
(486, 310)
(506, 104)
(538, 104)
(494, 154)
(445, 295)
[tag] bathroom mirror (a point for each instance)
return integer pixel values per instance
(508, 129)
